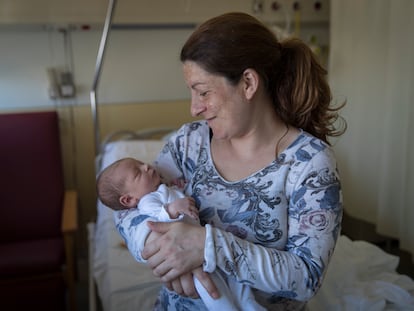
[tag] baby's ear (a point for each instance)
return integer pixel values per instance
(125, 200)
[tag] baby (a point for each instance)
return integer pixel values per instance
(129, 183)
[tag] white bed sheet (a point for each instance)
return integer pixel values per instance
(360, 276)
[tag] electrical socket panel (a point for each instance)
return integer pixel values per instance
(309, 11)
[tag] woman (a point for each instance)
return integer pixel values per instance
(259, 167)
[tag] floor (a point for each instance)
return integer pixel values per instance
(355, 229)
(406, 265)
(82, 288)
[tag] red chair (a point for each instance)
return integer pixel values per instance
(38, 217)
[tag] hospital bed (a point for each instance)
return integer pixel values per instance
(361, 276)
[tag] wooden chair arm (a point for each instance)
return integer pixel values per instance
(69, 227)
(70, 212)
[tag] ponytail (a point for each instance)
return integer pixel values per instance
(302, 94)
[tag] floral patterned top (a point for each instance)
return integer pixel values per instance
(274, 230)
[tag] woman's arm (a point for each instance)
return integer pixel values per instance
(296, 272)
(132, 225)
(182, 281)
(177, 249)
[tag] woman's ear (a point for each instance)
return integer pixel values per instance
(250, 82)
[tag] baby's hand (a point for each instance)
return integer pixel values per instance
(184, 206)
(179, 182)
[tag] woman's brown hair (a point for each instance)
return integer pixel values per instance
(230, 43)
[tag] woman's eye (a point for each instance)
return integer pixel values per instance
(202, 94)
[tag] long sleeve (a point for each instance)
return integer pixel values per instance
(296, 271)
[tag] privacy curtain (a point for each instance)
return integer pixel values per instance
(371, 66)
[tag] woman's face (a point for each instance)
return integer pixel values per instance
(213, 98)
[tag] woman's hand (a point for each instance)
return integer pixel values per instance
(176, 249)
(175, 253)
(184, 285)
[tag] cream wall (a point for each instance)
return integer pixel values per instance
(139, 65)
(154, 11)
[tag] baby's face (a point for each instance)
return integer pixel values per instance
(140, 178)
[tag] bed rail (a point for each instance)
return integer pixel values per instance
(158, 133)
(98, 70)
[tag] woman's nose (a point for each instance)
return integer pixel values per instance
(197, 107)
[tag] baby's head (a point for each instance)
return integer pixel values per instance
(123, 183)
